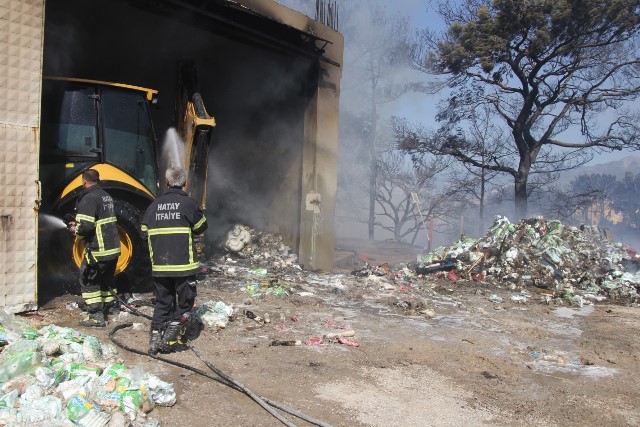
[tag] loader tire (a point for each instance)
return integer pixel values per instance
(133, 272)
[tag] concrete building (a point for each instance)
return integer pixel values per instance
(269, 75)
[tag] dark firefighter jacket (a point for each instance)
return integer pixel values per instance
(96, 224)
(170, 223)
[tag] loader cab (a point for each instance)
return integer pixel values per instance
(85, 122)
(107, 127)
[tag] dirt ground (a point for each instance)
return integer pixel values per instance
(436, 353)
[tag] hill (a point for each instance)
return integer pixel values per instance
(617, 168)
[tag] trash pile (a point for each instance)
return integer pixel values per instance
(259, 248)
(572, 262)
(60, 376)
(257, 259)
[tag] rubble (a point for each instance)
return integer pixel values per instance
(543, 254)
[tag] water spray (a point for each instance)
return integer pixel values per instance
(50, 221)
(172, 148)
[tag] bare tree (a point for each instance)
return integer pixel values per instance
(409, 195)
(544, 67)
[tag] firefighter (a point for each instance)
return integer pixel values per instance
(95, 222)
(170, 223)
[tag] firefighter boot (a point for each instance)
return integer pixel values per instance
(94, 320)
(155, 342)
(172, 340)
(112, 308)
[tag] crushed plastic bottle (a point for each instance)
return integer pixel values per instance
(18, 358)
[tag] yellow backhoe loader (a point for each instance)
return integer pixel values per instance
(108, 127)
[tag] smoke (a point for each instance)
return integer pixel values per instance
(254, 171)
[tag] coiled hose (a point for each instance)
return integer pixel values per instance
(223, 378)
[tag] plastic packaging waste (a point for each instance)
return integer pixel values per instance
(215, 313)
(85, 412)
(42, 409)
(77, 370)
(72, 382)
(7, 400)
(161, 392)
(72, 387)
(135, 401)
(91, 349)
(18, 358)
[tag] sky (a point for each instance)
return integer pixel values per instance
(421, 14)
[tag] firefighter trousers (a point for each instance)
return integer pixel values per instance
(174, 300)
(96, 284)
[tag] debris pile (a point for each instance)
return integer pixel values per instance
(60, 376)
(544, 254)
(259, 248)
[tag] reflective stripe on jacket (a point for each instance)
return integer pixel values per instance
(170, 223)
(96, 224)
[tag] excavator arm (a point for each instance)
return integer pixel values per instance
(195, 126)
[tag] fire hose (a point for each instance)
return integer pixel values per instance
(222, 377)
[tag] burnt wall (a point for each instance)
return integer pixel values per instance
(258, 96)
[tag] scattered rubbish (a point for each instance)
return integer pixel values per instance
(305, 294)
(519, 298)
(330, 323)
(215, 313)
(340, 335)
(347, 341)
(314, 341)
(262, 289)
(286, 342)
(488, 375)
(435, 267)
(281, 328)
(210, 268)
(428, 313)
(260, 271)
(495, 298)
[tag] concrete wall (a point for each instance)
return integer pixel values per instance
(319, 170)
(21, 29)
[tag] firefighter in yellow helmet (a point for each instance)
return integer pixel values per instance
(170, 223)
